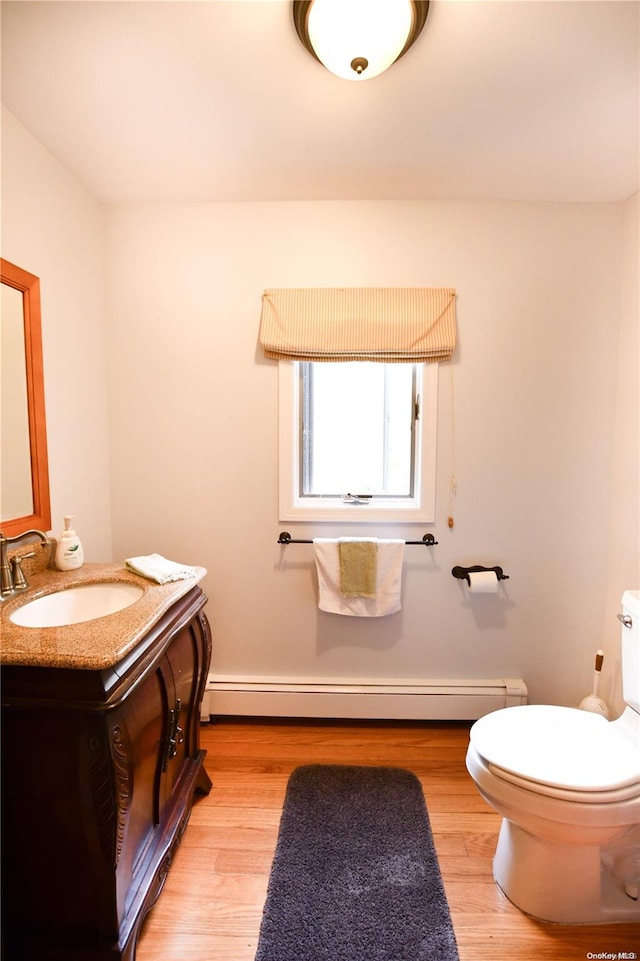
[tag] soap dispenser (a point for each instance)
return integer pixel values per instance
(69, 552)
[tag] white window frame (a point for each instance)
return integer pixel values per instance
(417, 509)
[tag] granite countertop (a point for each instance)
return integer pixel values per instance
(89, 645)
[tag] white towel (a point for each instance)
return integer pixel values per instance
(388, 579)
(157, 568)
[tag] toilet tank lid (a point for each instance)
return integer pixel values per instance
(558, 746)
(631, 602)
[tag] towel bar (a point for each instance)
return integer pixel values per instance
(285, 538)
(463, 572)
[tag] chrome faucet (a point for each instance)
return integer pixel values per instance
(12, 579)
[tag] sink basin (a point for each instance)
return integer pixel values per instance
(84, 603)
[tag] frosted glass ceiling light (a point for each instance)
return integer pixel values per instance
(358, 39)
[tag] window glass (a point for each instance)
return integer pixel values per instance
(357, 429)
(357, 441)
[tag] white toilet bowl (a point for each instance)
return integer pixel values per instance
(567, 784)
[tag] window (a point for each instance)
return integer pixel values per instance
(357, 441)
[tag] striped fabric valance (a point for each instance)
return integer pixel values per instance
(383, 324)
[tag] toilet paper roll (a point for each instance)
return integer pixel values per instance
(483, 582)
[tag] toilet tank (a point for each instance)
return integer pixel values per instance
(631, 649)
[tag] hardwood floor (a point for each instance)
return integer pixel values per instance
(211, 906)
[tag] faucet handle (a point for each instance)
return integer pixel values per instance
(19, 580)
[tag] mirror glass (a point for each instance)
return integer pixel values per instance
(15, 466)
(24, 471)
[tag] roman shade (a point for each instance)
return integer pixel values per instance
(385, 324)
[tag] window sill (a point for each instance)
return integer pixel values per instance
(357, 513)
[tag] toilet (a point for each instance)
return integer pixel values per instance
(567, 784)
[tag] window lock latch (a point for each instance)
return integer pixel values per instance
(356, 498)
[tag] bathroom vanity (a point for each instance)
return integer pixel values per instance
(100, 764)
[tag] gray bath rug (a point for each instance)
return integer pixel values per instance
(355, 875)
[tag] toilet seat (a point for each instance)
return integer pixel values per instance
(626, 793)
(551, 750)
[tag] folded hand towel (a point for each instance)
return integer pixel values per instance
(358, 567)
(157, 568)
(388, 580)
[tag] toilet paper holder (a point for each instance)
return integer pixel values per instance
(463, 572)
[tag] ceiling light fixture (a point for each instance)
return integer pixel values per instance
(358, 39)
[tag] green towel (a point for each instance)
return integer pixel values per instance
(358, 568)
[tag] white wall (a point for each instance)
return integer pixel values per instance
(53, 228)
(623, 559)
(546, 387)
(542, 390)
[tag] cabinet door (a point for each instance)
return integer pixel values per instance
(185, 666)
(154, 741)
(138, 739)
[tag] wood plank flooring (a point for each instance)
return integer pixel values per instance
(211, 905)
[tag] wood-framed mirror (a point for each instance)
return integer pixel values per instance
(24, 464)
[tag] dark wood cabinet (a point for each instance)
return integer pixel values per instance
(99, 770)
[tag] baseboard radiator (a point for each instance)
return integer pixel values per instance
(359, 698)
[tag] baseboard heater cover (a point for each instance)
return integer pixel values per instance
(360, 698)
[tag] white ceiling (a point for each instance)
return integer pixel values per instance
(217, 100)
